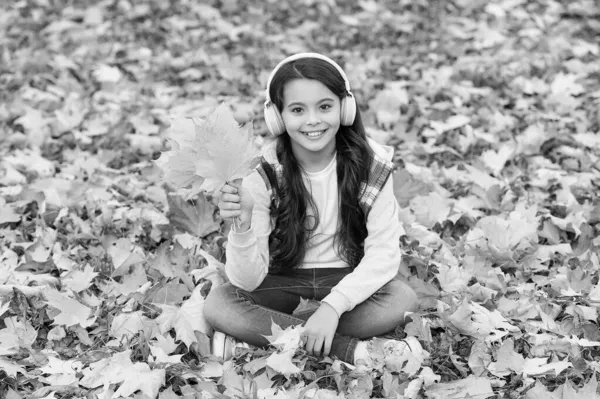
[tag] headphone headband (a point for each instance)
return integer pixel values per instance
(305, 55)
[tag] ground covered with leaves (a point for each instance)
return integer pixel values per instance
(493, 109)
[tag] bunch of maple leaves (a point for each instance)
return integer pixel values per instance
(105, 261)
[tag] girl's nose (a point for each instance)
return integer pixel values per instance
(313, 118)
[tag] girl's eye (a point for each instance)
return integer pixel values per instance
(325, 106)
(296, 110)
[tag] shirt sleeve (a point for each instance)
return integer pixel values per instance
(248, 252)
(382, 255)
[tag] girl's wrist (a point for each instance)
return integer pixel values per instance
(244, 227)
(241, 225)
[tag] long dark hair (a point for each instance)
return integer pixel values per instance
(293, 224)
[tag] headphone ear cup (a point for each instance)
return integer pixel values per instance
(273, 120)
(348, 108)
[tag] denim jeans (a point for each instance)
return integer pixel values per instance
(247, 315)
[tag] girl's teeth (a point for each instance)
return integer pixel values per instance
(315, 134)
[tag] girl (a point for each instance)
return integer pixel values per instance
(317, 219)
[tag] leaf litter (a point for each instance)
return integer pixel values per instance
(493, 112)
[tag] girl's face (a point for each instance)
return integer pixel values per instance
(311, 114)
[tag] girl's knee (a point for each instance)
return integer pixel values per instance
(216, 300)
(403, 294)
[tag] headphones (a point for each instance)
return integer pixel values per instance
(272, 115)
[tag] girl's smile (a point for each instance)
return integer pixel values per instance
(311, 114)
(315, 133)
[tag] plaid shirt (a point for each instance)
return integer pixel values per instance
(379, 173)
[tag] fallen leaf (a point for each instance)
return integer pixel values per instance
(79, 280)
(220, 149)
(197, 218)
(507, 360)
(140, 377)
(11, 368)
(476, 387)
(71, 312)
(214, 271)
(185, 319)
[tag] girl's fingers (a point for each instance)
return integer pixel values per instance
(318, 345)
(314, 344)
(228, 188)
(225, 214)
(230, 206)
(230, 198)
(237, 183)
(310, 343)
(327, 346)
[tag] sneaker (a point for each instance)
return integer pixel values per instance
(225, 346)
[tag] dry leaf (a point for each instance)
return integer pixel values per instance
(196, 216)
(211, 152)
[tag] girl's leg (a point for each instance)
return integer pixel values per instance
(248, 316)
(380, 313)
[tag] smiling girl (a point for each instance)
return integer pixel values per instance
(317, 219)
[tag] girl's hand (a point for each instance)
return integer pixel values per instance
(320, 329)
(236, 202)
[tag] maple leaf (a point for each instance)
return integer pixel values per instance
(476, 387)
(507, 360)
(218, 148)
(495, 160)
(281, 362)
(214, 271)
(140, 377)
(213, 369)
(162, 357)
(287, 341)
(18, 333)
(72, 312)
(387, 104)
(35, 125)
(430, 209)
(171, 293)
(168, 394)
(179, 169)
(127, 325)
(124, 254)
(475, 320)
(166, 343)
(406, 355)
(185, 319)
(11, 368)
(62, 372)
(452, 278)
(539, 366)
(106, 371)
(407, 187)
(197, 219)
(162, 262)
(7, 213)
(79, 280)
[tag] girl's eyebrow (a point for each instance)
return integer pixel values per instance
(318, 102)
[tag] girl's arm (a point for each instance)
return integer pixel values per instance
(382, 255)
(248, 251)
